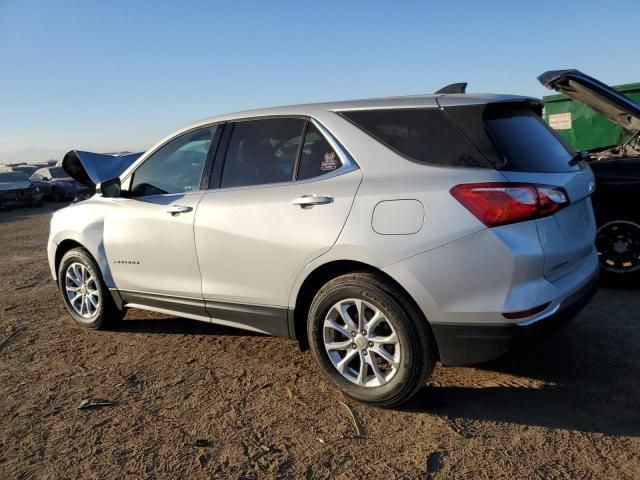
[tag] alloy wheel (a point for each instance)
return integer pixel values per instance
(361, 342)
(82, 291)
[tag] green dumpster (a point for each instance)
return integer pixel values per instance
(582, 127)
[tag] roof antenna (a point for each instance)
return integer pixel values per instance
(454, 88)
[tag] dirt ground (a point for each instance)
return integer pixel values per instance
(193, 400)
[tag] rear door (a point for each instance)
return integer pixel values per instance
(525, 149)
(285, 189)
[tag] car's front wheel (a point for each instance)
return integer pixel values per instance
(369, 340)
(84, 292)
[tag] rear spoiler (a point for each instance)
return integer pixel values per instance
(92, 168)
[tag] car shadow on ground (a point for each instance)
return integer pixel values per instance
(582, 378)
(586, 381)
(179, 326)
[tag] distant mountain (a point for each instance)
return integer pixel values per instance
(31, 155)
(38, 155)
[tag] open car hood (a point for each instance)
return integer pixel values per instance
(595, 94)
(92, 168)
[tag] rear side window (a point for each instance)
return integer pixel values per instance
(318, 156)
(262, 151)
(514, 138)
(422, 135)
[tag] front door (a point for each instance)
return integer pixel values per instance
(285, 194)
(149, 239)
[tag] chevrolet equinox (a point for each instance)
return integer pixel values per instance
(383, 234)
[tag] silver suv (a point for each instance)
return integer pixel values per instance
(384, 234)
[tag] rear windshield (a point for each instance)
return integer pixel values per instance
(423, 135)
(13, 177)
(514, 137)
(509, 137)
(58, 173)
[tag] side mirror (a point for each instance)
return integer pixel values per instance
(110, 188)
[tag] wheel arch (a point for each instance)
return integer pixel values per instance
(69, 244)
(321, 275)
(62, 248)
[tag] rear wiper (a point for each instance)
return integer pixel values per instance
(578, 157)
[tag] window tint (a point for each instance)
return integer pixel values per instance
(513, 137)
(318, 156)
(528, 144)
(262, 151)
(175, 167)
(13, 177)
(421, 134)
(58, 173)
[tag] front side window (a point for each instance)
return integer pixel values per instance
(262, 151)
(318, 157)
(176, 167)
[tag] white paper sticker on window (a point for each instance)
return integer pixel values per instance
(560, 121)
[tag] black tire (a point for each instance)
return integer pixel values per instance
(56, 196)
(612, 269)
(107, 315)
(419, 352)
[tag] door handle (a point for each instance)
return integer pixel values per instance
(311, 200)
(177, 209)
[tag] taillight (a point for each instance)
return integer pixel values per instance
(501, 203)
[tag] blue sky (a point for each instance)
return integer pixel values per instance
(114, 75)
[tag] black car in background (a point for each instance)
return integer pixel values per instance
(617, 172)
(16, 190)
(28, 170)
(57, 185)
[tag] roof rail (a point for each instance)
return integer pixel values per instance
(454, 88)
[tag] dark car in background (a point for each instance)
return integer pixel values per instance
(28, 170)
(16, 190)
(58, 186)
(616, 169)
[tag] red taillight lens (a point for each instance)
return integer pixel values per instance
(501, 203)
(526, 313)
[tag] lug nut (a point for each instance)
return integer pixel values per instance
(364, 332)
(371, 344)
(353, 334)
(353, 345)
(364, 352)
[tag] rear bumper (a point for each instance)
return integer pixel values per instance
(465, 344)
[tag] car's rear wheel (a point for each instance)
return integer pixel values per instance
(369, 340)
(618, 244)
(84, 292)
